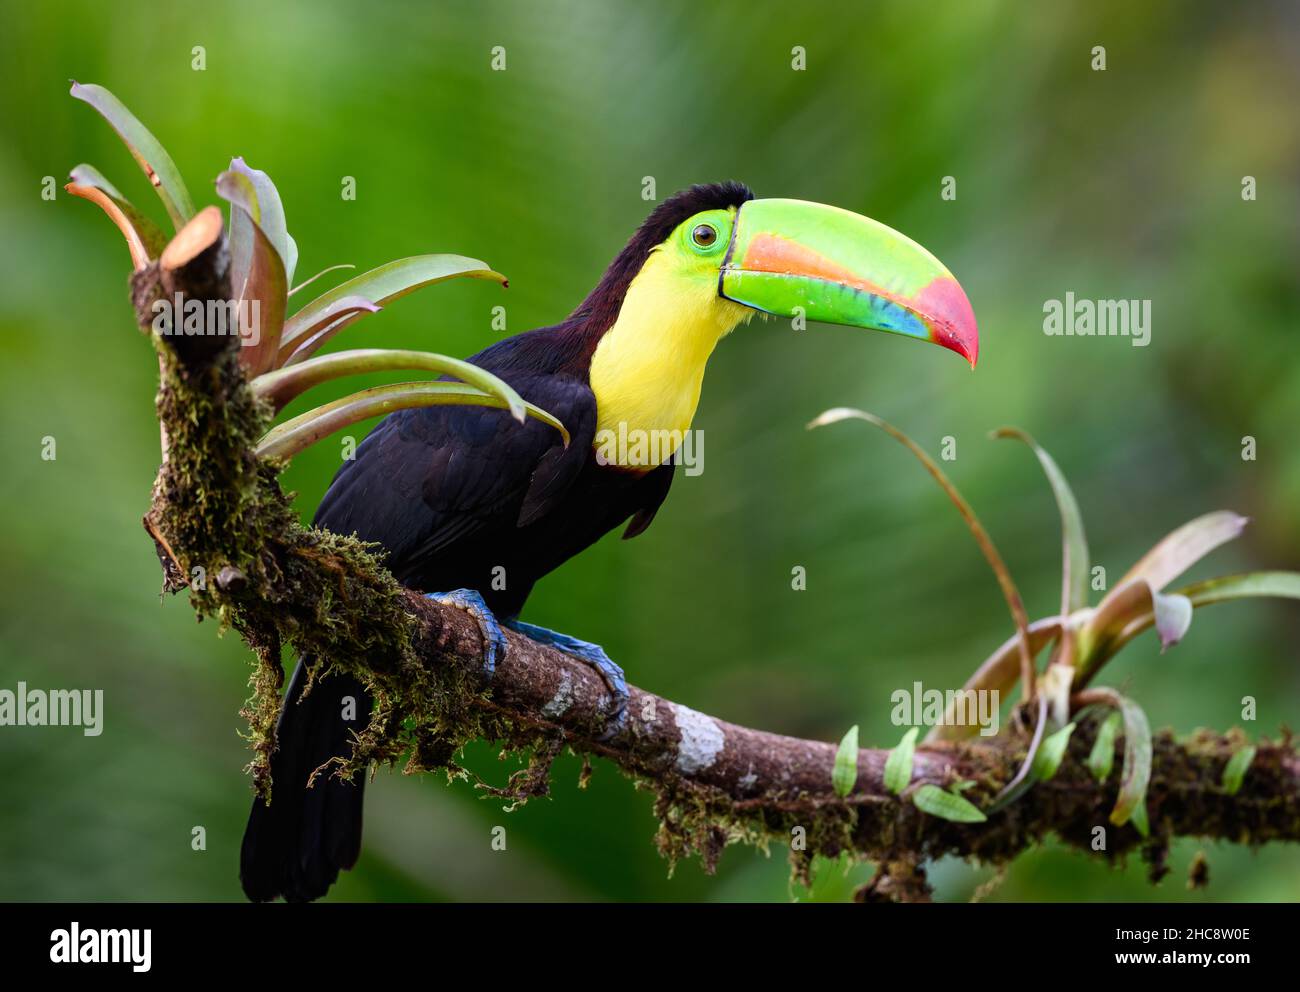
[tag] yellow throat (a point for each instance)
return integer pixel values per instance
(648, 368)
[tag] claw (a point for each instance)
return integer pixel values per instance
(494, 638)
(595, 656)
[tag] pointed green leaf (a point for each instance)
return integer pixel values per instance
(845, 773)
(1051, 753)
(1234, 772)
(898, 766)
(1074, 543)
(1139, 819)
(945, 805)
(1249, 585)
(281, 443)
(1102, 757)
(282, 385)
(146, 150)
(1136, 772)
(389, 282)
(143, 238)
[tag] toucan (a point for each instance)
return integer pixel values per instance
(458, 496)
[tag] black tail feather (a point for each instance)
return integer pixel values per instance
(295, 846)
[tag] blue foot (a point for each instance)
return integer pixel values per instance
(595, 656)
(494, 639)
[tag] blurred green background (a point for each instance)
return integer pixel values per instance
(1117, 184)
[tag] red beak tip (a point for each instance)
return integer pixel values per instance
(951, 317)
(963, 342)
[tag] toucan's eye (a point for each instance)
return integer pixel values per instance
(704, 235)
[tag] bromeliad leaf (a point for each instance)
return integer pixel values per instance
(1182, 549)
(898, 766)
(1136, 597)
(388, 282)
(946, 805)
(1051, 753)
(146, 150)
(143, 238)
(281, 443)
(1246, 586)
(333, 319)
(268, 212)
(1136, 616)
(1139, 820)
(1221, 590)
(1102, 757)
(257, 272)
(1136, 772)
(1055, 685)
(330, 268)
(998, 673)
(1023, 780)
(1234, 772)
(282, 385)
(1074, 544)
(845, 773)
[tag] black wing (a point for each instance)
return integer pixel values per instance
(428, 478)
(656, 491)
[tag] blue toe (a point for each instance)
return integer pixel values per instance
(592, 654)
(494, 638)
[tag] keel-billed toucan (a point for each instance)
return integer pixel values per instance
(455, 495)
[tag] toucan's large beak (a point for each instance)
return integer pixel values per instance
(842, 268)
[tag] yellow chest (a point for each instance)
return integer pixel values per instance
(648, 368)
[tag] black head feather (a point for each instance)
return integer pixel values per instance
(600, 309)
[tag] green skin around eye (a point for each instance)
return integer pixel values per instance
(719, 221)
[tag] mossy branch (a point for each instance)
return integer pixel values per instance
(225, 530)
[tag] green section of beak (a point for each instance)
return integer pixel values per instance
(791, 256)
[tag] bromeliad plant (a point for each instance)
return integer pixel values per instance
(1082, 639)
(278, 361)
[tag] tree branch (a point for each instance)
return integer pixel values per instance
(223, 528)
